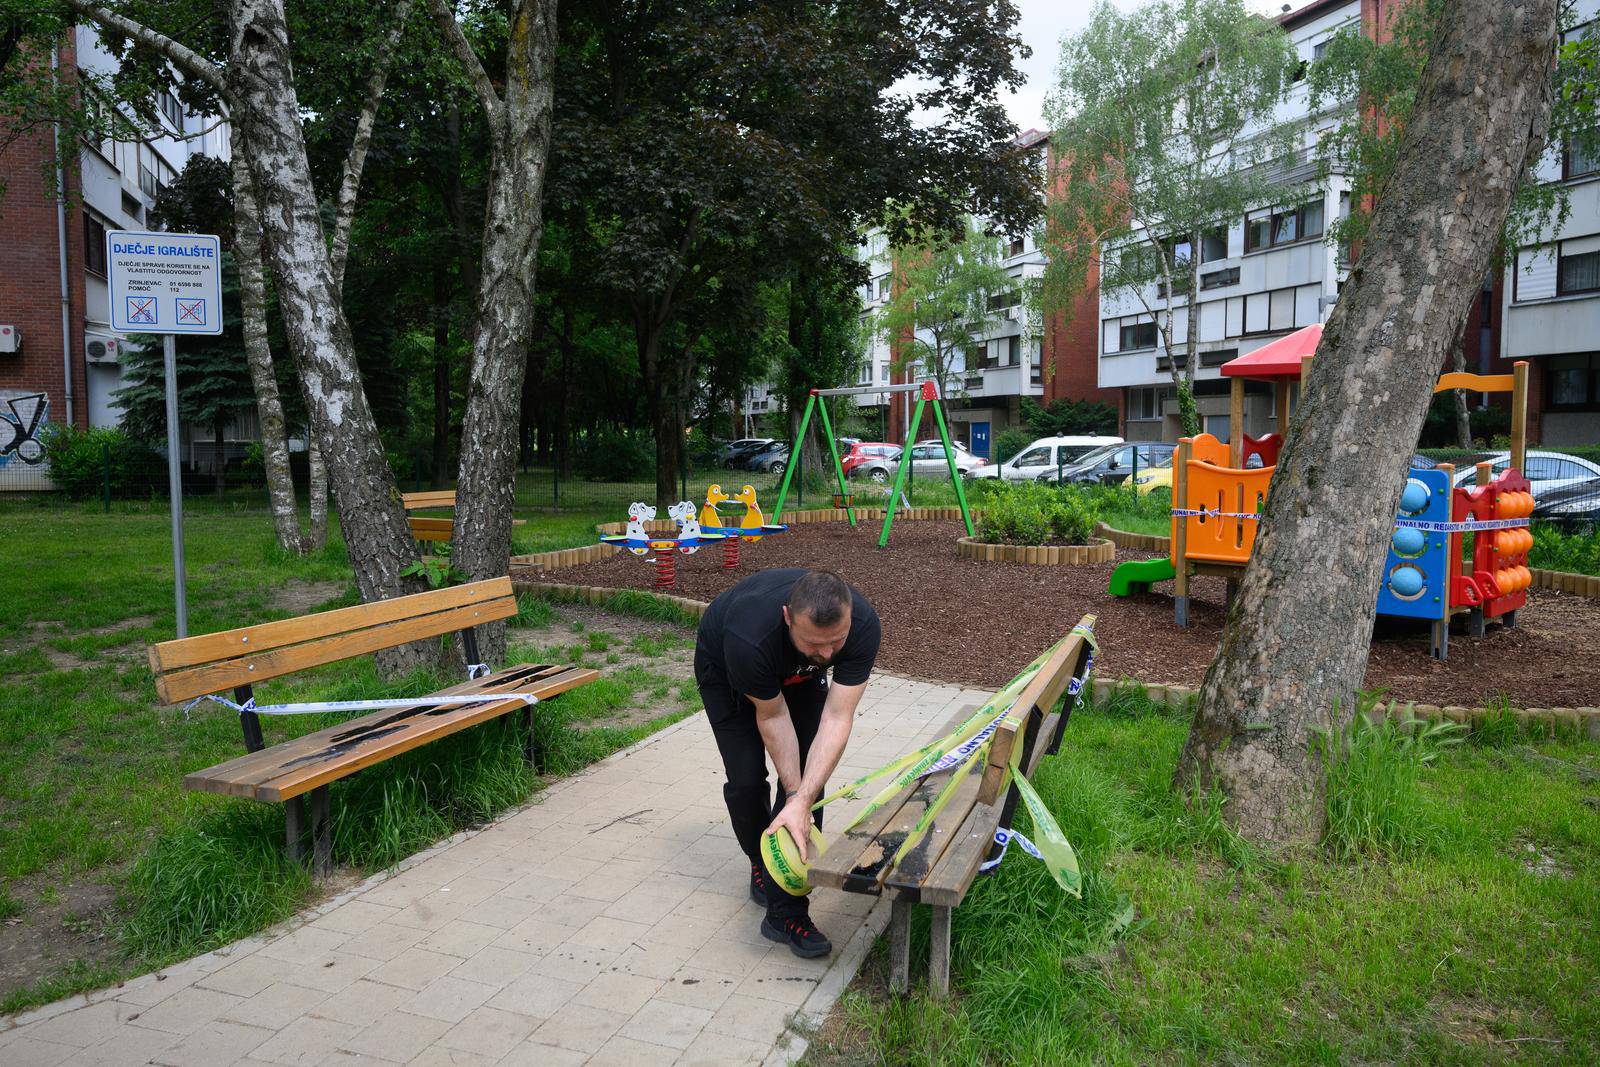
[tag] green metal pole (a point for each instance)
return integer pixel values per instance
(900, 472)
(788, 470)
(838, 468)
(955, 475)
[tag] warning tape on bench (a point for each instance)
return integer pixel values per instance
(319, 706)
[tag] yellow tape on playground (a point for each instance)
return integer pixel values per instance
(965, 750)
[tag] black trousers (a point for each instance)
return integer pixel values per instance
(748, 791)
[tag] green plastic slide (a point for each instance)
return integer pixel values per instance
(1142, 572)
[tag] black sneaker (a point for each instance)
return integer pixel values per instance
(802, 937)
(758, 884)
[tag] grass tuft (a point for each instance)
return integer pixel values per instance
(1372, 773)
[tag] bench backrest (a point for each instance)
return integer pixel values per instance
(430, 529)
(1037, 698)
(194, 666)
(429, 498)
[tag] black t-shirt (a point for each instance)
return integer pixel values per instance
(743, 637)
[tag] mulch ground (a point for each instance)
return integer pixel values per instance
(978, 623)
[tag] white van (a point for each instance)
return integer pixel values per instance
(1045, 454)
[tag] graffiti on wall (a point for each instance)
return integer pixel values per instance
(23, 417)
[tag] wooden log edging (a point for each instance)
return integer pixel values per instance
(1584, 585)
(1583, 722)
(600, 594)
(1099, 550)
(565, 557)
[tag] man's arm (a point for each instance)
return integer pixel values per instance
(833, 732)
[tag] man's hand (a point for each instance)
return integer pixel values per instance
(796, 818)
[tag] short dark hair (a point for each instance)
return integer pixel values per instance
(822, 595)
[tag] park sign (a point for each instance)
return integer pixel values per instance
(164, 283)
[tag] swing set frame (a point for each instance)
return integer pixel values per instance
(926, 392)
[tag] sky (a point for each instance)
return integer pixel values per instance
(1043, 24)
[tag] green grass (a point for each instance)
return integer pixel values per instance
(1189, 947)
(91, 765)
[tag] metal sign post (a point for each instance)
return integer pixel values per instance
(167, 283)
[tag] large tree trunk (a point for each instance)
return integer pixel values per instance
(341, 423)
(441, 378)
(512, 226)
(1296, 645)
(258, 356)
(317, 508)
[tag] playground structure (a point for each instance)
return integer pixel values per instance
(695, 528)
(926, 392)
(1217, 501)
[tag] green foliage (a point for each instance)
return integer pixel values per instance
(1066, 417)
(436, 569)
(612, 455)
(83, 462)
(1027, 513)
(1386, 76)
(1371, 772)
(945, 286)
(1012, 440)
(1439, 429)
(1182, 95)
(1553, 549)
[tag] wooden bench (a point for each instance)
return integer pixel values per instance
(432, 527)
(942, 867)
(285, 773)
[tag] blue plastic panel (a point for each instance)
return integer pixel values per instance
(1432, 563)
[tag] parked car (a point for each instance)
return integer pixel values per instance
(927, 457)
(863, 451)
(735, 455)
(770, 460)
(1574, 506)
(1545, 471)
(1043, 455)
(1112, 464)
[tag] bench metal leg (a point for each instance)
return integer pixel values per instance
(939, 953)
(294, 824)
(321, 833)
(900, 945)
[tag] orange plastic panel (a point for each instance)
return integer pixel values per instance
(1207, 449)
(1217, 488)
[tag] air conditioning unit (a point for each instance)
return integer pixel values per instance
(10, 338)
(100, 347)
(1014, 313)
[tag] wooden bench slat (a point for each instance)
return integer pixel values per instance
(227, 644)
(369, 740)
(845, 853)
(926, 853)
(249, 770)
(1040, 693)
(429, 498)
(247, 670)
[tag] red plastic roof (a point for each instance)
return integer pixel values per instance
(1280, 359)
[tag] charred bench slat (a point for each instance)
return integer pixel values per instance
(287, 772)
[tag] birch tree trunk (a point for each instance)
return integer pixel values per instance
(1296, 645)
(261, 81)
(519, 125)
(317, 508)
(258, 356)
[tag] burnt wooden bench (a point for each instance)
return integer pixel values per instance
(434, 527)
(285, 773)
(941, 869)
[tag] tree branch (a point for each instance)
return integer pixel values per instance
(184, 58)
(468, 58)
(350, 181)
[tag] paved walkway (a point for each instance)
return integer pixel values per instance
(607, 924)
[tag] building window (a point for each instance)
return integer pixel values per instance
(1318, 51)
(1137, 335)
(1573, 382)
(1214, 244)
(883, 287)
(1013, 350)
(1578, 273)
(883, 370)
(171, 109)
(1579, 161)
(1016, 246)
(1144, 404)
(94, 245)
(1218, 278)
(1008, 299)
(1271, 227)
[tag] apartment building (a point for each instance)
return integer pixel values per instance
(58, 356)
(1263, 274)
(1011, 357)
(1550, 299)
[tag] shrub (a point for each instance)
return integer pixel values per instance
(83, 461)
(618, 456)
(1008, 443)
(1032, 514)
(1372, 773)
(1553, 549)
